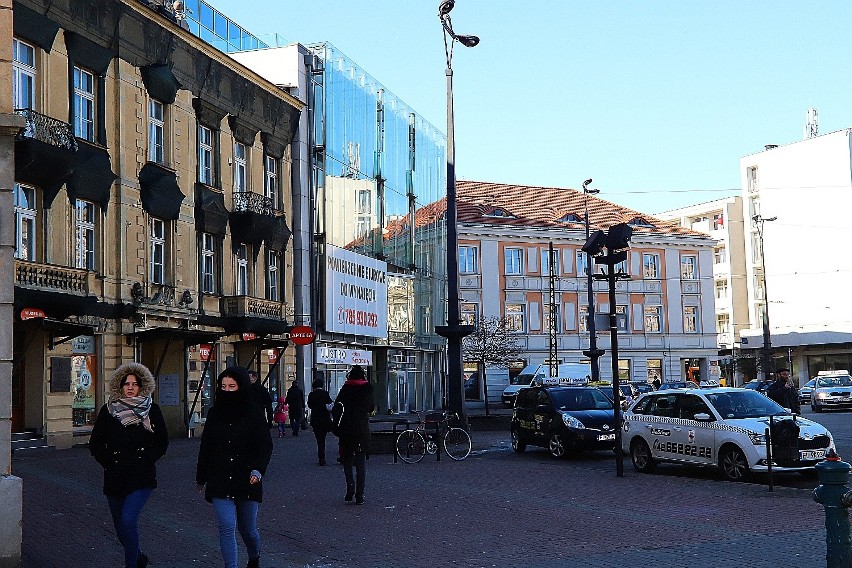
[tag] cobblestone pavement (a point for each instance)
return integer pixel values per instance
(496, 508)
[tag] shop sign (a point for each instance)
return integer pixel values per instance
(206, 351)
(337, 356)
(302, 335)
(273, 356)
(31, 313)
(249, 336)
(356, 295)
(83, 344)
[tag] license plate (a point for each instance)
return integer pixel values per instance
(811, 454)
(605, 437)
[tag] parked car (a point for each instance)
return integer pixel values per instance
(642, 388)
(806, 390)
(833, 389)
(677, 385)
(760, 385)
(563, 420)
(723, 428)
(533, 373)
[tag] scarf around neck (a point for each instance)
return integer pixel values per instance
(132, 410)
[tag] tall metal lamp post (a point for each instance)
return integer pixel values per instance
(766, 356)
(593, 352)
(453, 331)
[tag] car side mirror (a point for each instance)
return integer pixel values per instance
(702, 416)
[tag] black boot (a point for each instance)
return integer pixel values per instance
(359, 499)
(141, 561)
(350, 493)
(253, 562)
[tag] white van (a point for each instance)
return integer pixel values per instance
(578, 373)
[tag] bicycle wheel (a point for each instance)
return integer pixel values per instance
(457, 443)
(410, 446)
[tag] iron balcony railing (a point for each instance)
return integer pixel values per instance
(248, 202)
(46, 129)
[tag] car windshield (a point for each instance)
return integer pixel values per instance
(834, 382)
(744, 404)
(522, 379)
(580, 399)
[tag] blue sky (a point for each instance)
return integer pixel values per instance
(656, 101)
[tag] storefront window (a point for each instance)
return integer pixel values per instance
(83, 387)
(472, 389)
(624, 370)
(655, 370)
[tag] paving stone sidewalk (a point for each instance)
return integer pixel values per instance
(496, 508)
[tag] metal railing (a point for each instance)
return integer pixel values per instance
(246, 201)
(247, 306)
(46, 129)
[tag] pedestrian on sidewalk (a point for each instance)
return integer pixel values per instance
(235, 450)
(261, 396)
(318, 401)
(128, 438)
(296, 405)
(784, 392)
(356, 396)
(281, 416)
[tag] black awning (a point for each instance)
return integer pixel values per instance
(280, 235)
(54, 302)
(260, 326)
(242, 131)
(92, 178)
(190, 336)
(211, 215)
(160, 82)
(86, 53)
(43, 165)
(266, 342)
(208, 113)
(60, 331)
(248, 227)
(34, 27)
(161, 195)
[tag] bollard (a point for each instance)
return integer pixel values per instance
(833, 494)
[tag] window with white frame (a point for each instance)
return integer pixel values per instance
(23, 75)
(242, 271)
(582, 263)
(468, 260)
(651, 265)
(273, 262)
(547, 262)
(622, 267)
(516, 318)
(622, 318)
(583, 318)
(690, 319)
(721, 289)
(550, 316)
(240, 168)
(270, 185)
(158, 251)
(85, 235)
(718, 221)
(755, 248)
(653, 319)
(205, 155)
(84, 104)
(208, 263)
(720, 255)
(723, 325)
(514, 260)
(469, 313)
(752, 182)
(753, 209)
(156, 131)
(25, 222)
(655, 369)
(688, 267)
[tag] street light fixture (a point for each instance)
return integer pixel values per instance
(766, 358)
(453, 331)
(593, 352)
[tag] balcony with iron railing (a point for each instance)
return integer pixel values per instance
(250, 307)
(248, 202)
(47, 129)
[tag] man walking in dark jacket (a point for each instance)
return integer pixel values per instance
(296, 403)
(261, 396)
(783, 392)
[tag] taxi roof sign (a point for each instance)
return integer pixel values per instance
(561, 381)
(835, 373)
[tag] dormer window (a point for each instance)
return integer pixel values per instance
(571, 218)
(640, 222)
(497, 212)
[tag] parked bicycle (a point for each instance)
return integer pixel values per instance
(416, 441)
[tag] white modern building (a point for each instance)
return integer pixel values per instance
(801, 195)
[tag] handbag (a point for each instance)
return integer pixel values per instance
(337, 412)
(305, 422)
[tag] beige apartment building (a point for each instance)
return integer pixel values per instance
(152, 203)
(665, 303)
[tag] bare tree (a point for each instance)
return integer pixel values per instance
(492, 344)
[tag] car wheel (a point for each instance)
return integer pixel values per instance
(556, 445)
(733, 464)
(640, 454)
(517, 444)
(816, 408)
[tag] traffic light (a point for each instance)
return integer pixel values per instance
(595, 244)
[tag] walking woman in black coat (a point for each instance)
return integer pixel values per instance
(128, 438)
(356, 396)
(318, 401)
(235, 450)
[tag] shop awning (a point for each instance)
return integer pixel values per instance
(189, 336)
(60, 331)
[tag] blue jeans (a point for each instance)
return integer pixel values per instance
(237, 515)
(125, 517)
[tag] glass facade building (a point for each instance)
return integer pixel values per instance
(218, 30)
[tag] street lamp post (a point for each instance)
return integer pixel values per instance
(453, 331)
(593, 352)
(766, 358)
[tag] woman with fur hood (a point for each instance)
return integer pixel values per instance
(128, 438)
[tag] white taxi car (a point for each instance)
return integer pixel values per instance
(720, 427)
(832, 389)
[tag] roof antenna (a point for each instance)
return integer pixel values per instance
(812, 125)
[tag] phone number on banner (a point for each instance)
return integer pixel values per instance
(357, 317)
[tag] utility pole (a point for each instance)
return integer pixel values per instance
(593, 353)
(766, 352)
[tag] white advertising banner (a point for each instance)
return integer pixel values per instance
(337, 356)
(356, 293)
